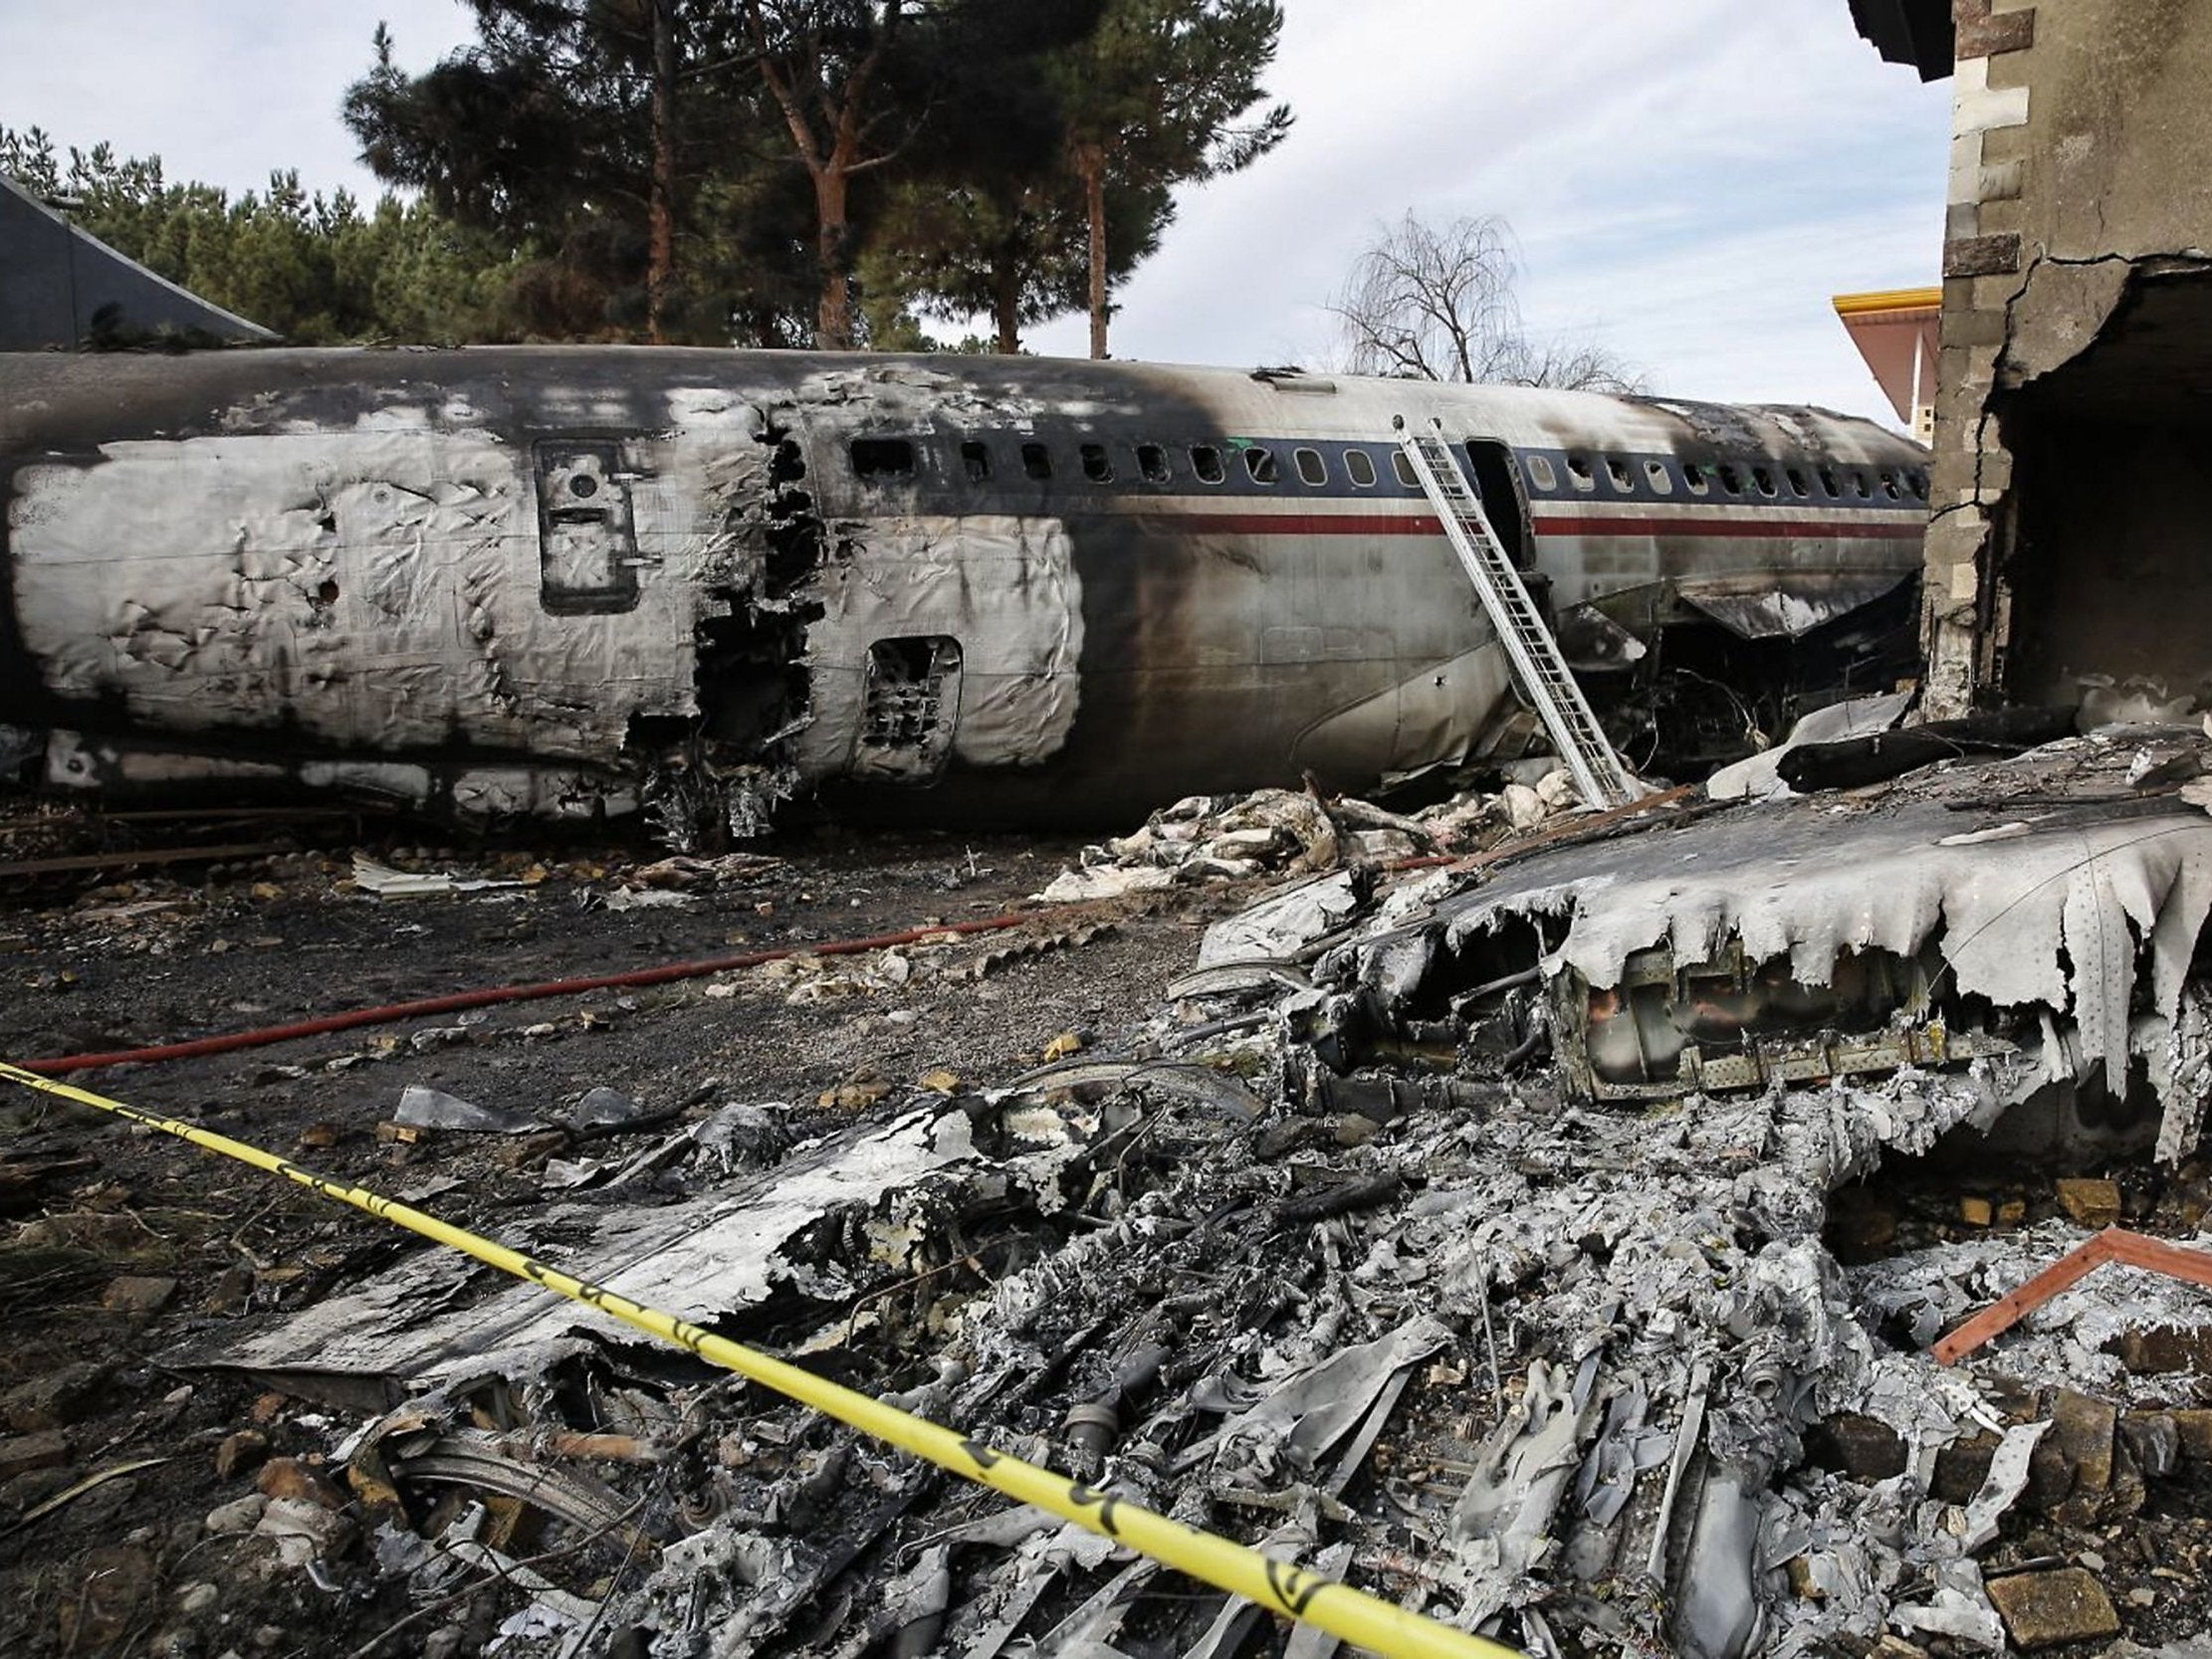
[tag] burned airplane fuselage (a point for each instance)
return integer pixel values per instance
(586, 581)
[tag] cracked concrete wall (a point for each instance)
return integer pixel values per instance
(2078, 148)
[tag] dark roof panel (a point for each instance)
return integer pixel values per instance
(1916, 32)
(57, 281)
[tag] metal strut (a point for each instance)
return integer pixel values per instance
(1542, 672)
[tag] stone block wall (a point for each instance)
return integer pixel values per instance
(1992, 100)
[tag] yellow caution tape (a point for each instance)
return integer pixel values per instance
(1349, 1615)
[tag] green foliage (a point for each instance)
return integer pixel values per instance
(1014, 250)
(536, 136)
(315, 269)
(898, 109)
(1161, 93)
(1151, 94)
(1167, 88)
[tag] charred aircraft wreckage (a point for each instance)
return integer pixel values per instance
(1577, 1355)
(588, 583)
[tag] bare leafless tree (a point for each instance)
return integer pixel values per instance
(1437, 303)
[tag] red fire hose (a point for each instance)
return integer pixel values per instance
(454, 1002)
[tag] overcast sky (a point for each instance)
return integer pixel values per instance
(1688, 180)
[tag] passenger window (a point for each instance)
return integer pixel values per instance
(1404, 469)
(1662, 481)
(1829, 487)
(1360, 466)
(1539, 469)
(1618, 470)
(1311, 467)
(1920, 481)
(1152, 461)
(881, 458)
(1763, 476)
(977, 459)
(1259, 462)
(1098, 466)
(1730, 479)
(1796, 476)
(1037, 460)
(1890, 484)
(1578, 469)
(1696, 477)
(1205, 462)
(1858, 485)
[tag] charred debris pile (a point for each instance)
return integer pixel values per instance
(1551, 1237)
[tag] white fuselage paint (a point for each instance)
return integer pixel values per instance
(377, 587)
(359, 564)
(1005, 587)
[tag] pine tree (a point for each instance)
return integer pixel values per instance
(1162, 93)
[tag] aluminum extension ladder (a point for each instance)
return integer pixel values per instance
(1537, 664)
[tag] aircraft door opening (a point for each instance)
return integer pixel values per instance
(911, 709)
(1497, 480)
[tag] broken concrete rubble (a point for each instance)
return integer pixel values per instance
(2043, 1609)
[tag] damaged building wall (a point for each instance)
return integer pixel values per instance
(2076, 295)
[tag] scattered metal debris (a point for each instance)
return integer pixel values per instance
(384, 882)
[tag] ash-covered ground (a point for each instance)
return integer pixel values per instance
(121, 1244)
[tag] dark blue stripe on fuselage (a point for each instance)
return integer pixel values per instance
(939, 481)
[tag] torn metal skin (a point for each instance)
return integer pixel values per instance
(586, 583)
(1800, 943)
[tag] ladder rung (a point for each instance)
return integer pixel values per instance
(1548, 681)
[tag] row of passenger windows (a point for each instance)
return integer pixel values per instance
(888, 459)
(1743, 479)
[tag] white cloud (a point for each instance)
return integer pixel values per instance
(1688, 184)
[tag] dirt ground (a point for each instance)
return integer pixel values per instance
(126, 1244)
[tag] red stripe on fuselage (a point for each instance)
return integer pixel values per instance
(1763, 526)
(1299, 524)
(1426, 523)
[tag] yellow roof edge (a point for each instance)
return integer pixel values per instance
(1889, 300)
